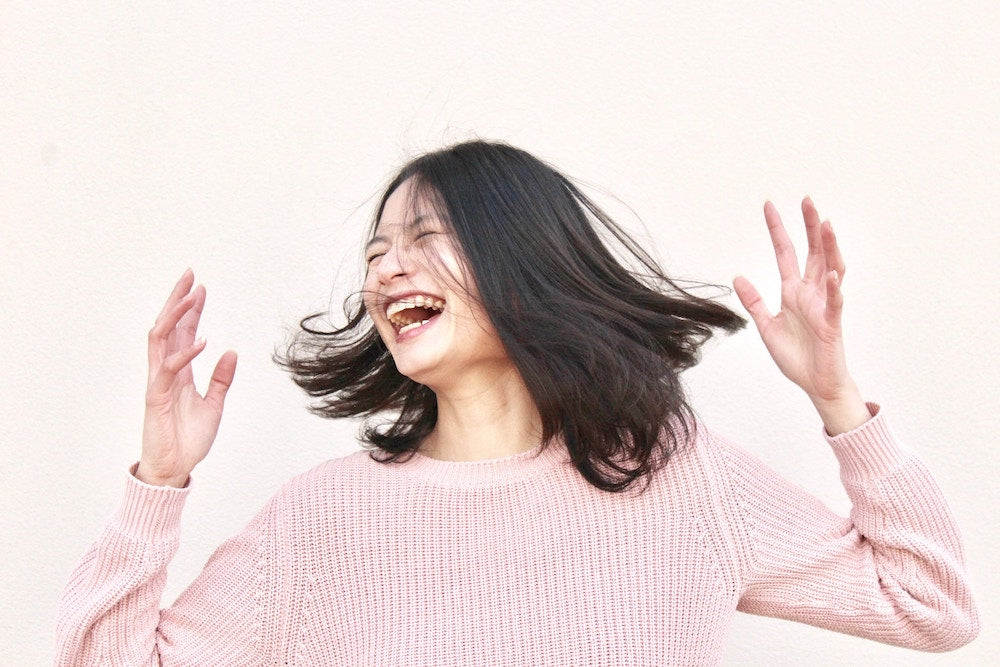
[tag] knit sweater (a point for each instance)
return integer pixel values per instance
(520, 561)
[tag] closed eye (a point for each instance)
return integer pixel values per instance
(379, 240)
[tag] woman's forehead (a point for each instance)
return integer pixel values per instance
(407, 206)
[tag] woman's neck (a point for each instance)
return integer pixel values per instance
(488, 419)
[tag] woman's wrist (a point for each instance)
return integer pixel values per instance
(843, 413)
(146, 477)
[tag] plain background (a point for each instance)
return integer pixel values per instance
(247, 140)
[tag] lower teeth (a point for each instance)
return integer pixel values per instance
(413, 325)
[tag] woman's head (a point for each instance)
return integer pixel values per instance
(598, 344)
(485, 222)
(421, 297)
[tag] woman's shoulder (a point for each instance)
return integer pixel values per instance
(703, 464)
(326, 494)
(349, 470)
(698, 444)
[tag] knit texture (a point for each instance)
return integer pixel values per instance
(519, 561)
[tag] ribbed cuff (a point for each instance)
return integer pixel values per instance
(150, 513)
(869, 451)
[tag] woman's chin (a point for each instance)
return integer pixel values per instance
(421, 371)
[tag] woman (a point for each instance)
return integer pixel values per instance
(540, 492)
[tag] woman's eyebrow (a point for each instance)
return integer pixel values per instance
(381, 238)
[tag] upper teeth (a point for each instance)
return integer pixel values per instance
(406, 303)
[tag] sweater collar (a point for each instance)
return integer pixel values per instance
(487, 472)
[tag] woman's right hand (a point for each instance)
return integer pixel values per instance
(180, 425)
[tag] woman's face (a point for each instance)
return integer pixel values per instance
(423, 301)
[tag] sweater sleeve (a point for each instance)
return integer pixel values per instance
(109, 613)
(893, 571)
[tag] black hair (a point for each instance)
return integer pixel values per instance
(599, 344)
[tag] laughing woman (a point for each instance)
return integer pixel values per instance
(535, 488)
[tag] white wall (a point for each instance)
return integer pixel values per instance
(246, 140)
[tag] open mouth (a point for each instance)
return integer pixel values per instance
(412, 312)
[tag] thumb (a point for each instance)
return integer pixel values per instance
(751, 300)
(222, 379)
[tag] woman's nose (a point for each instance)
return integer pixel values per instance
(395, 263)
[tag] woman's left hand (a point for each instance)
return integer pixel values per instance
(805, 337)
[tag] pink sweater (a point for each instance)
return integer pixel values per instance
(519, 561)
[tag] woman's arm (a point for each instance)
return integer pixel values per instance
(110, 610)
(893, 571)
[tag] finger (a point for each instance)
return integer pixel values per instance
(184, 333)
(816, 260)
(222, 379)
(181, 288)
(750, 298)
(188, 324)
(784, 251)
(165, 375)
(180, 292)
(831, 249)
(160, 336)
(834, 300)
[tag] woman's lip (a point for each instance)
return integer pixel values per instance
(413, 333)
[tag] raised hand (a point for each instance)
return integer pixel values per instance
(180, 425)
(805, 337)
